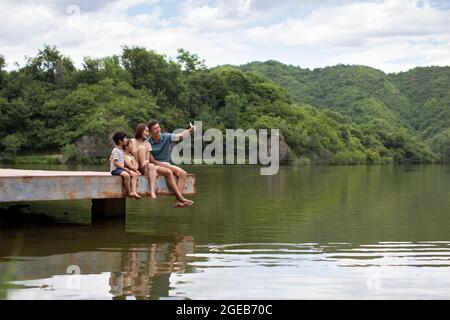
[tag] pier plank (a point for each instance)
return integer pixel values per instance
(40, 185)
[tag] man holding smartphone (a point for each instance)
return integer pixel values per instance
(161, 149)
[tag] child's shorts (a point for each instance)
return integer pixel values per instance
(117, 172)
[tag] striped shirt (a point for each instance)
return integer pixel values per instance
(116, 154)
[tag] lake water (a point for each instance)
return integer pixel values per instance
(325, 232)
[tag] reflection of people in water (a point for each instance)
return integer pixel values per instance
(146, 270)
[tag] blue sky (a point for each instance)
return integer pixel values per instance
(391, 35)
(280, 10)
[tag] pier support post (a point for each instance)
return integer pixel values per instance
(105, 208)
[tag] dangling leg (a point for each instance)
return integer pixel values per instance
(180, 200)
(133, 184)
(152, 173)
(181, 175)
(126, 182)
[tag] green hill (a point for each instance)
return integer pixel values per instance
(335, 115)
(427, 91)
(380, 104)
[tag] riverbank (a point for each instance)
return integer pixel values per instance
(60, 159)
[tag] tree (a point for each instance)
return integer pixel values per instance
(91, 71)
(3, 74)
(97, 69)
(46, 65)
(150, 70)
(12, 144)
(190, 62)
(60, 74)
(230, 113)
(441, 144)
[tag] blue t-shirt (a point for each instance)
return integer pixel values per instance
(161, 149)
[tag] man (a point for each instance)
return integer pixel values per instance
(161, 149)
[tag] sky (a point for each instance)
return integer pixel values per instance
(391, 35)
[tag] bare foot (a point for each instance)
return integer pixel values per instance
(135, 195)
(178, 204)
(186, 202)
(153, 195)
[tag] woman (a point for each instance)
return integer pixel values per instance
(141, 148)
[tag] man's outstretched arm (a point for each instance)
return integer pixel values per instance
(186, 133)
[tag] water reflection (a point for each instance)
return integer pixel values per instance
(385, 270)
(421, 254)
(145, 271)
(113, 263)
(309, 232)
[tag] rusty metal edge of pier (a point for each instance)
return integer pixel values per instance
(39, 185)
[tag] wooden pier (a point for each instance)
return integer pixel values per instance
(106, 191)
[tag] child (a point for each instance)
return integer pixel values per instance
(130, 160)
(117, 165)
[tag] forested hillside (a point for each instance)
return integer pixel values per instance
(406, 110)
(337, 115)
(427, 91)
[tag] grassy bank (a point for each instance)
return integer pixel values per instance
(34, 159)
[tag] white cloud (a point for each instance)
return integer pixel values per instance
(354, 24)
(392, 35)
(380, 34)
